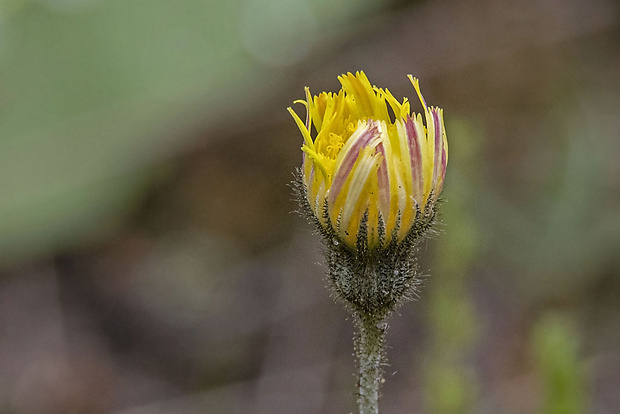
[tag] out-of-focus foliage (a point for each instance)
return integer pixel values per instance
(556, 346)
(95, 93)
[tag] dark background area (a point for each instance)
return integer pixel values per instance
(150, 257)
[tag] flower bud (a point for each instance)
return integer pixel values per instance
(372, 171)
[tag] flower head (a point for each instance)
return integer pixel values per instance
(369, 163)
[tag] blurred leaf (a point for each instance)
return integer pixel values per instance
(98, 91)
(556, 346)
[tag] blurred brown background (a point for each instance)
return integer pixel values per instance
(150, 259)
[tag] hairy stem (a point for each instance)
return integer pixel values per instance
(370, 356)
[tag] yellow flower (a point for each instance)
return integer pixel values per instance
(368, 161)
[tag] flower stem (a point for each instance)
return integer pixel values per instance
(370, 355)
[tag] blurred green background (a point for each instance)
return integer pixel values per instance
(150, 261)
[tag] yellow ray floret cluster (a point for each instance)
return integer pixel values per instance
(366, 153)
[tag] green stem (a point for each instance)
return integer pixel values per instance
(370, 356)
